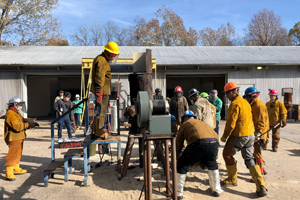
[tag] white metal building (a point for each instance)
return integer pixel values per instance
(36, 74)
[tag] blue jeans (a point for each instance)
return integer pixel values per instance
(67, 122)
(217, 126)
(77, 119)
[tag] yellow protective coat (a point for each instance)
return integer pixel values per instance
(239, 121)
(101, 75)
(14, 126)
(260, 117)
(277, 112)
(191, 131)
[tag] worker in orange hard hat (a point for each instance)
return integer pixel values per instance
(101, 82)
(277, 114)
(239, 136)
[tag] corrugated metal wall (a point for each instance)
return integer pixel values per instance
(11, 85)
(283, 77)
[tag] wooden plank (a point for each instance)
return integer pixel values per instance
(57, 165)
(74, 152)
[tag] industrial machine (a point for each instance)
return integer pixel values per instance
(153, 115)
(154, 122)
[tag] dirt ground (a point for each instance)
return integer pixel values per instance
(283, 180)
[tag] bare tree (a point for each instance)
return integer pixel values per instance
(265, 29)
(96, 34)
(110, 29)
(223, 36)
(32, 20)
(81, 36)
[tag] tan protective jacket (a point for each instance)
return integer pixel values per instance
(214, 114)
(239, 121)
(203, 112)
(260, 117)
(101, 75)
(191, 131)
(177, 107)
(277, 112)
(14, 126)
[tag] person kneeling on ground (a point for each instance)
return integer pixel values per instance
(202, 146)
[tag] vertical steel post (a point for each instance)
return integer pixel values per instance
(167, 168)
(174, 170)
(144, 141)
(52, 142)
(87, 127)
(118, 114)
(141, 154)
(149, 170)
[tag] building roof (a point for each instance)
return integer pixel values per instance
(165, 56)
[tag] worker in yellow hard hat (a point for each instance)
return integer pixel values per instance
(101, 81)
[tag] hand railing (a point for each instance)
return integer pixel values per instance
(63, 115)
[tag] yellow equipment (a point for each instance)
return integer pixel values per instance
(87, 64)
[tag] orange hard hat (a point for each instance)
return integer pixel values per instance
(230, 86)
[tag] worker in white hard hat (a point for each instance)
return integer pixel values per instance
(101, 82)
(15, 127)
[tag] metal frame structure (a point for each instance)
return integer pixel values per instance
(87, 142)
(53, 161)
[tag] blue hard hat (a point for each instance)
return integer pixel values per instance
(188, 113)
(213, 91)
(173, 118)
(251, 90)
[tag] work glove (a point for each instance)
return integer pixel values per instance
(283, 124)
(223, 139)
(99, 96)
(257, 136)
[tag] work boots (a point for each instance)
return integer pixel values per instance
(98, 132)
(9, 171)
(257, 177)
(19, 170)
(231, 180)
(180, 184)
(214, 182)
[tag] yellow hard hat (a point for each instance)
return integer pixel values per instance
(112, 47)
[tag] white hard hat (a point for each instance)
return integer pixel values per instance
(77, 95)
(15, 100)
(18, 101)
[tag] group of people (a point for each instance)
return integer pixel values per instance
(63, 104)
(247, 130)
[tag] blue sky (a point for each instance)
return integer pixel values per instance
(197, 14)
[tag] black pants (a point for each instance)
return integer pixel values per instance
(197, 151)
